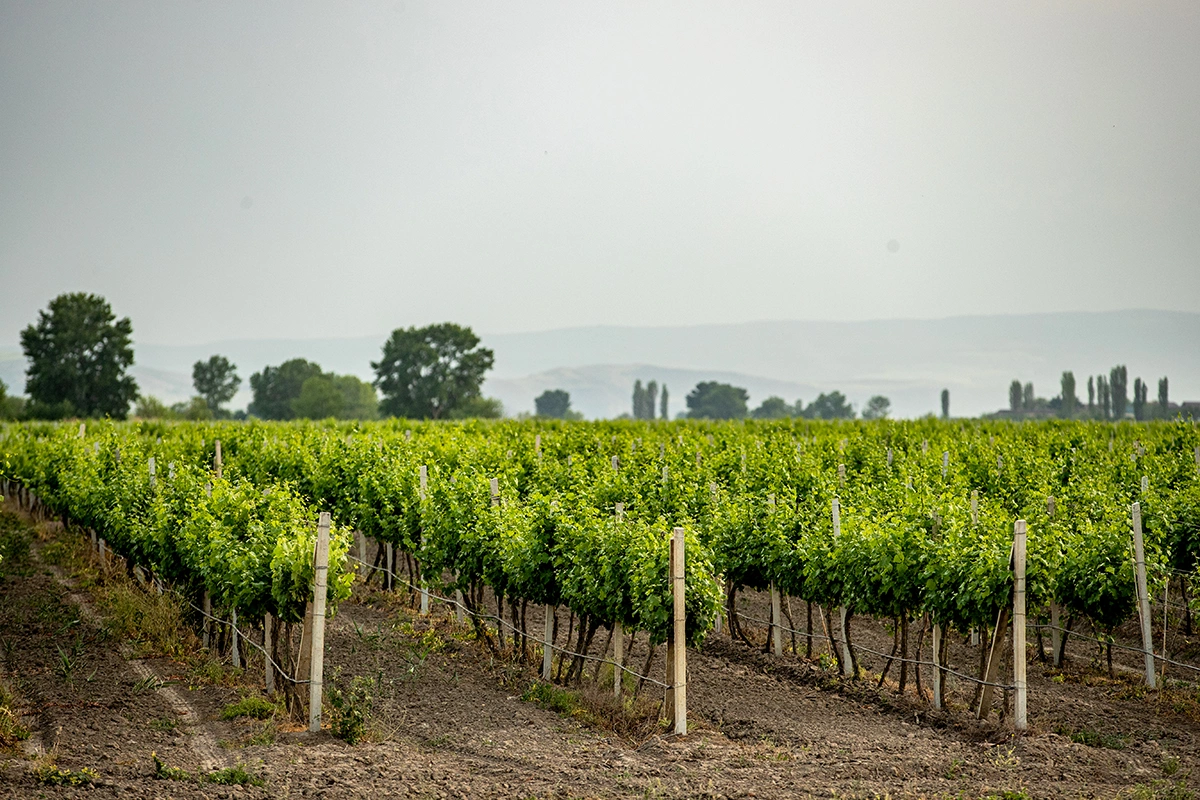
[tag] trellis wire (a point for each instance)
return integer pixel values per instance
(1118, 645)
(948, 670)
(510, 626)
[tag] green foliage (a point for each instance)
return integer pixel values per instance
(773, 408)
(553, 403)
(78, 354)
(150, 407)
(10, 407)
(336, 396)
(425, 373)
(713, 400)
(829, 406)
(276, 387)
(478, 408)
(216, 380)
(53, 775)
(254, 707)
(878, 407)
(351, 709)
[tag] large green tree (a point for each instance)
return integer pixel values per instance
(878, 407)
(425, 373)
(339, 396)
(78, 353)
(217, 381)
(553, 403)
(276, 387)
(10, 407)
(713, 400)
(773, 408)
(829, 406)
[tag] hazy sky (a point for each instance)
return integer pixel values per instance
(228, 170)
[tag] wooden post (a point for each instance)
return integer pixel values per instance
(842, 474)
(889, 456)
(1143, 595)
(320, 573)
(548, 650)
(235, 651)
(217, 467)
(1020, 721)
(1145, 484)
(423, 475)
(993, 664)
(945, 463)
(268, 667)
(391, 567)
(618, 657)
(939, 674)
(537, 446)
(680, 631)
(150, 467)
(82, 429)
(974, 506)
(776, 616)
(362, 554)
(207, 606)
(494, 485)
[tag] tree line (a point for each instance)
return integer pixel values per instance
(79, 355)
(1107, 399)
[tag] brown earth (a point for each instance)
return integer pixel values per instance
(449, 718)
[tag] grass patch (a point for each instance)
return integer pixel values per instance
(156, 623)
(230, 776)
(254, 707)
(1091, 738)
(593, 704)
(15, 541)
(53, 775)
(1161, 790)
(351, 707)
(11, 729)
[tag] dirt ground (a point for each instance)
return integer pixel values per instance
(449, 719)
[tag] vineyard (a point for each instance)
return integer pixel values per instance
(897, 521)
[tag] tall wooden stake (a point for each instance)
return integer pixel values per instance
(1143, 595)
(1019, 677)
(939, 674)
(235, 649)
(548, 650)
(320, 574)
(217, 467)
(680, 631)
(268, 667)
(423, 474)
(618, 657)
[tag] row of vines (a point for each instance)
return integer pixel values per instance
(925, 510)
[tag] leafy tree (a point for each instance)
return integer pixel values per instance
(478, 408)
(1141, 392)
(773, 408)
(10, 407)
(276, 387)
(1103, 397)
(878, 407)
(553, 403)
(1118, 387)
(1091, 395)
(194, 410)
(338, 396)
(1014, 397)
(217, 381)
(1028, 398)
(78, 353)
(651, 400)
(426, 373)
(639, 399)
(829, 406)
(663, 403)
(1069, 400)
(150, 407)
(713, 400)
(945, 404)
(1164, 402)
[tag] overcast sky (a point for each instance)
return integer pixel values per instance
(228, 170)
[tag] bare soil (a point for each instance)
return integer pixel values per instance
(449, 718)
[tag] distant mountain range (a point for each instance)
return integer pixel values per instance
(909, 361)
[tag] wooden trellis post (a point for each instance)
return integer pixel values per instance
(1143, 595)
(1019, 678)
(679, 665)
(320, 575)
